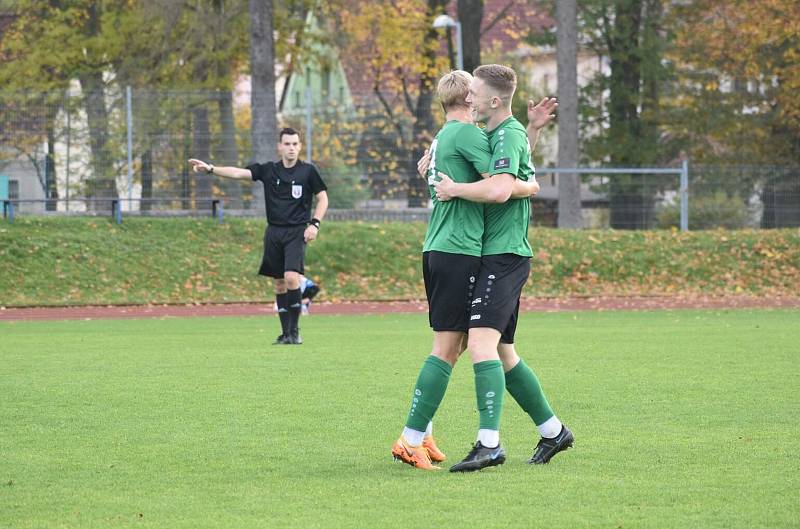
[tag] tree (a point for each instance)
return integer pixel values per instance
(397, 46)
(262, 71)
(629, 33)
(470, 14)
(569, 185)
(30, 65)
(738, 81)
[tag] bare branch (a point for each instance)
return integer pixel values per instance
(377, 89)
(406, 96)
(500, 16)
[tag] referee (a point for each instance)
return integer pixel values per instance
(289, 185)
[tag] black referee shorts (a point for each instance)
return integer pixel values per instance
(449, 282)
(497, 292)
(284, 250)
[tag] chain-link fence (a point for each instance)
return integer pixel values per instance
(73, 153)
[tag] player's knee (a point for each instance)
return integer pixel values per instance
(482, 344)
(292, 280)
(449, 355)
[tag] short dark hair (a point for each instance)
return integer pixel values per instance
(501, 79)
(287, 131)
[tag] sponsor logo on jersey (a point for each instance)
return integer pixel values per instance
(502, 163)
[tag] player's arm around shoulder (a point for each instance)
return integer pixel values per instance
(525, 189)
(494, 190)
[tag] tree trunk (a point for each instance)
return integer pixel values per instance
(470, 14)
(202, 149)
(51, 189)
(422, 132)
(186, 183)
(229, 153)
(262, 71)
(147, 180)
(630, 200)
(569, 185)
(102, 184)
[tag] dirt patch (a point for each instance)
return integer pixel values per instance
(383, 307)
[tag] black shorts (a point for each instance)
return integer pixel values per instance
(449, 282)
(284, 250)
(497, 292)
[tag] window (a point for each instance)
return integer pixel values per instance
(13, 189)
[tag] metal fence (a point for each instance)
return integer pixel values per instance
(124, 152)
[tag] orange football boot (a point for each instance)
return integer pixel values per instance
(430, 445)
(416, 456)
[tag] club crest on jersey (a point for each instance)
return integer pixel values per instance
(502, 163)
(297, 191)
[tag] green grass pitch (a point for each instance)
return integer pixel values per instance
(682, 419)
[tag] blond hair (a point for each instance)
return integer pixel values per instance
(453, 88)
(501, 79)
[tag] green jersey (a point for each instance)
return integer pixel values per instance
(461, 151)
(506, 225)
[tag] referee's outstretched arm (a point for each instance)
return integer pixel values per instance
(236, 173)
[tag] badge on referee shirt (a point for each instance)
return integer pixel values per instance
(297, 191)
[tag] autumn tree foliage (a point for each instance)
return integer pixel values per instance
(736, 107)
(395, 46)
(740, 79)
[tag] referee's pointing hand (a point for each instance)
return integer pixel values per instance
(199, 165)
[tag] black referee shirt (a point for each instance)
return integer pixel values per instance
(288, 192)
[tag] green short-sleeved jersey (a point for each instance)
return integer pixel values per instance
(461, 151)
(506, 225)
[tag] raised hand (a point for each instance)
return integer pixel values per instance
(542, 113)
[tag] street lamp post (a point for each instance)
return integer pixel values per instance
(445, 21)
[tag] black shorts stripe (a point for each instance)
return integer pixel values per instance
(497, 293)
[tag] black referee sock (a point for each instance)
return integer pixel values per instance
(293, 302)
(283, 312)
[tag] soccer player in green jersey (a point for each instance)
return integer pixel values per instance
(451, 261)
(505, 267)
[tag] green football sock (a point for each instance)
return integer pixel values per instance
(428, 392)
(489, 389)
(523, 385)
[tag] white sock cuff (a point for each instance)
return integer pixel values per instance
(550, 428)
(489, 438)
(414, 437)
